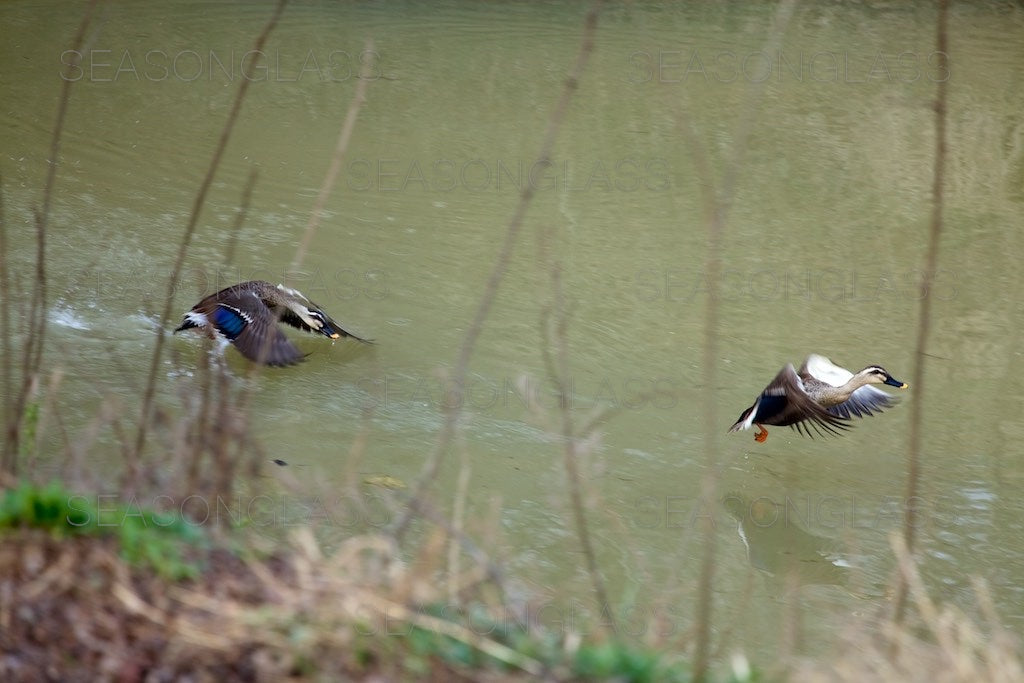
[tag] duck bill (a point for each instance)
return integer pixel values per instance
(893, 382)
(329, 331)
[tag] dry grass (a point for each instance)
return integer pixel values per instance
(72, 608)
(937, 644)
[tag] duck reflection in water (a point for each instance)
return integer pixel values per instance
(779, 547)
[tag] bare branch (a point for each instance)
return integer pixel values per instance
(133, 468)
(433, 464)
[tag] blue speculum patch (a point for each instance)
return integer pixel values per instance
(229, 322)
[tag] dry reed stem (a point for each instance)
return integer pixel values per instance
(37, 312)
(313, 224)
(33, 344)
(967, 655)
(433, 464)
(47, 410)
(192, 453)
(458, 517)
(719, 204)
(133, 467)
(326, 186)
(240, 216)
(925, 305)
(340, 150)
(203, 433)
(493, 571)
(8, 459)
(76, 469)
(573, 444)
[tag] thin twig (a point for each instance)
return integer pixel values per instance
(214, 435)
(133, 468)
(560, 376)
(555, 333)
(925, 310)
(433, 464)
(43, 215)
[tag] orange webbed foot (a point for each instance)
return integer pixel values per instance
(762, 434)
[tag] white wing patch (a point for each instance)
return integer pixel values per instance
(306, 315)
(753, 413)
(823, 369)
(292, 292)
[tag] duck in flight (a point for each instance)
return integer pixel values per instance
(246, 315)
(821, 395)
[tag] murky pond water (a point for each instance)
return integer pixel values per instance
(824, 247)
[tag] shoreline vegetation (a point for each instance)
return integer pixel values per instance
(156, 597)
(118, 592)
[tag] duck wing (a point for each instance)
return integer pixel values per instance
(822, 369)
(294, 308)
(248, 324)
(328, 327)
(865, 401)
(785, 402)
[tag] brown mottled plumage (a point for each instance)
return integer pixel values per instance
(822, 395)
(246, 315)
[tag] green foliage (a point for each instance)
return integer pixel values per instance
(621, 662)
(426, 642)
(41, 508)
(29, 424)
(146, 538)
(608, 661)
